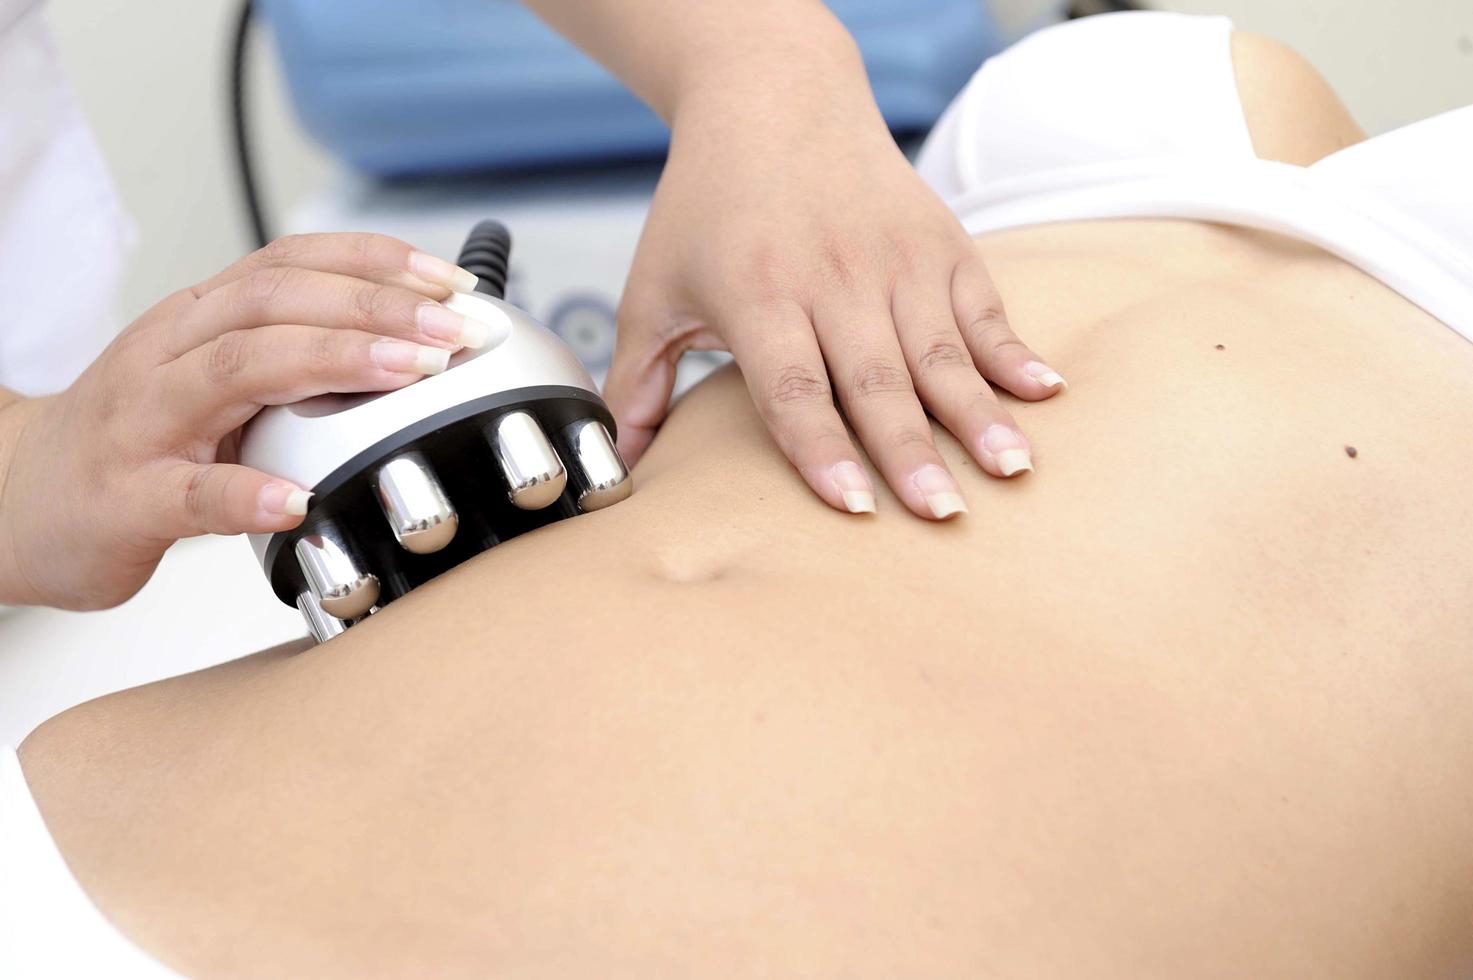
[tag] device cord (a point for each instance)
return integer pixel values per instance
(244, 168)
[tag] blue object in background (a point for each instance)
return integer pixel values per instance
(435, 86)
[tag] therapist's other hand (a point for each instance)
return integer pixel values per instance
(789, 229)
(141, 450)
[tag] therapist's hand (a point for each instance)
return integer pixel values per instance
(789, 229)
(140, 451)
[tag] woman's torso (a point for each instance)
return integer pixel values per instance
(1192, 699)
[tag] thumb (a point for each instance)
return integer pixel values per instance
(223, 498)
(641, 378)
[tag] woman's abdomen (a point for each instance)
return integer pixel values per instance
(1192, 699)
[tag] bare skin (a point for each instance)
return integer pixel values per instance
(1192, 700)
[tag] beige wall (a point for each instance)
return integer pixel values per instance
(1392, 61)
(152, 77)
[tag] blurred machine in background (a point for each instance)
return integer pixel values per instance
(441, 86)
(444, 110)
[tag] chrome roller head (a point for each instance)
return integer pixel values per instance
(340, 586)
(412, 499)
(601, 473)
(534, 475)
(322, 626)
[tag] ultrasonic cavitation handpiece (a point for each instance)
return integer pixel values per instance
(409, 483)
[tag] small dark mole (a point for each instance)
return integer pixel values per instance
(1219, 347)
(1352, 452)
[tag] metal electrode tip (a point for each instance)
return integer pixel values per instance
(534, 475)
(603, 476)
(412, 499)
(343, 589)
(322, 626)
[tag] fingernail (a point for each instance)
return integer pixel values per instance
(284, 499)
(407, 358)
(942, 494)
(1006, 448)
(435, 320)
(854, 487)
(1044, 375)
(432, 268)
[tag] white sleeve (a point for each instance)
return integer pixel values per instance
(64, 236)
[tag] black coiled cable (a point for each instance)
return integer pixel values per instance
(487, 253)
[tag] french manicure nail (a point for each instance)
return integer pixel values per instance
(854, 487)
(1007, 449)
(407, 358)
(435, 320)
(942, 494)
(284, 499)
(1045, 375)
(433, 269)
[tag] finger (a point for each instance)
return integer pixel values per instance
(215, 388)
(289, 294)
(874, 385)
(640, 381)
(223, 498)
(1002, 358)
(949, 386)
(377, 258)
(638, 391)
(784, 370)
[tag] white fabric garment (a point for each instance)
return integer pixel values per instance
(63, 234)
(1137, 115)
(49, 930)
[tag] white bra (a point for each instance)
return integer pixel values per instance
(1138, 115)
